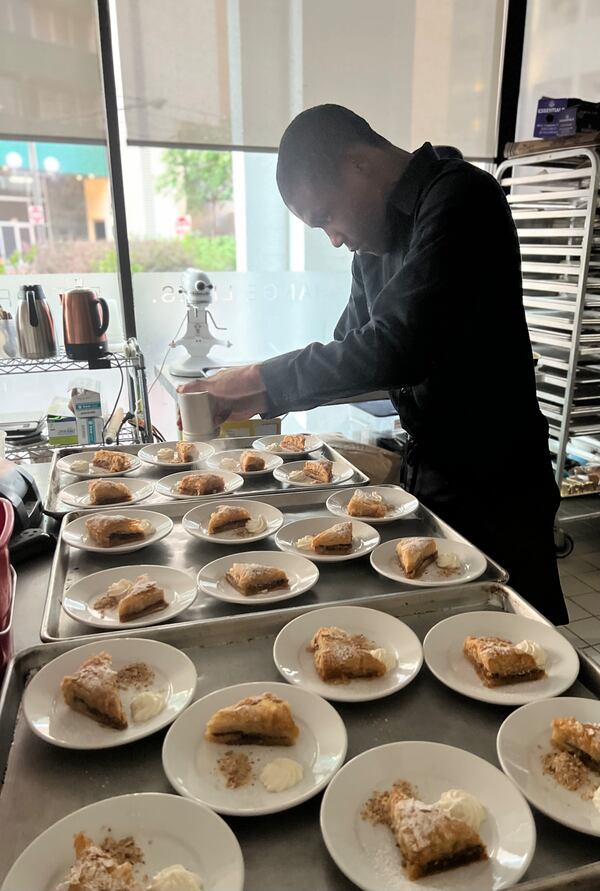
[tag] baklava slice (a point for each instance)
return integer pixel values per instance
(264, 720)
(227, 517)
(322, 471)
(108, 492)
(111, 531)
(335, 540)
(366, 504)
(340, 656)
(293, 442)
(250, 462)
(429, 840)
(253, 578)
(581, 739)
(92, 690)
(186, 452)
(415, 554)
(97, 870)
(201, 484)
(116, 462)
(145, 596)
(499, 662)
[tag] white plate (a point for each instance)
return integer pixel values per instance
(75, 532)
(271, 462)
(302, 574)
(385, 562)
(166, 486)
(312, 443)
(368, 854)
(364, 539)
(443, 651)
(340, 472)
(522, 740)
(51, 719)
(295, 662)
(149, 454)
(401, 503)
(190, 761)
(65, 463)
(77, 494)
(180, 592)
(196, 522)
(169, 829)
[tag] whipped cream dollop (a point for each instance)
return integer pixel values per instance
(305, 542)
(448, 561)
(388, 659)
(146, 705)
(281, 774)
(532, 648)
(273, 447)
(256, 525)
(120, 588)
(461, 805)
(80, 466)
(230, 464)
(165, 455)
(596, 799)
(175, 878)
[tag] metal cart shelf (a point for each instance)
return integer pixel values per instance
(130, 362)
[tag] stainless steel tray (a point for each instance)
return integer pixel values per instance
(54, 507)
(285, 851)
(337, 581)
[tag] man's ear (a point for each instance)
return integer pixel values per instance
(359, 161)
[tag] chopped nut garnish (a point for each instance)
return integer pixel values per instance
(137, 675)
(236, 768)
(377, 809)
(569, 771)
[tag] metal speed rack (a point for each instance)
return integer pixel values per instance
(553, 197)
(132, 365)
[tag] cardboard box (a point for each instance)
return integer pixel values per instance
(253, 427)
(62, 424)
(565, 117)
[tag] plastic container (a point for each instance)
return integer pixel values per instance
(7, 520)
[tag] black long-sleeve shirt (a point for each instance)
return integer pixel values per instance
(438, 321)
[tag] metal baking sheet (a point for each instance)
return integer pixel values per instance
(285, 851)
(337, 581)
(259, 486)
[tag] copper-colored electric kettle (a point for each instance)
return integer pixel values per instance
(85, 320)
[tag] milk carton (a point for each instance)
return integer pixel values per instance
(87, 408)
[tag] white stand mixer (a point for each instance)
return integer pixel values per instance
(198, 338)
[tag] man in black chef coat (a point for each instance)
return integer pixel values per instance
(435, 317)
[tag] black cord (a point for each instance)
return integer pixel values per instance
(111, 415)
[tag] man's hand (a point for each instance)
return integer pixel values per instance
(235, 394)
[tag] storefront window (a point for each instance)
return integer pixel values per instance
(560, 55)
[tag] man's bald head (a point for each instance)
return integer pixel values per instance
(314, 145)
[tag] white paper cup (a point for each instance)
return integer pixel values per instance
(196, 415)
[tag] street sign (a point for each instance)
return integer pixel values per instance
(36, 214)
(183, 224)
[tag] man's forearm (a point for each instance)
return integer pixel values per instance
(367, 359)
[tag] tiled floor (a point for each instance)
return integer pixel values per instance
(580, 577)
